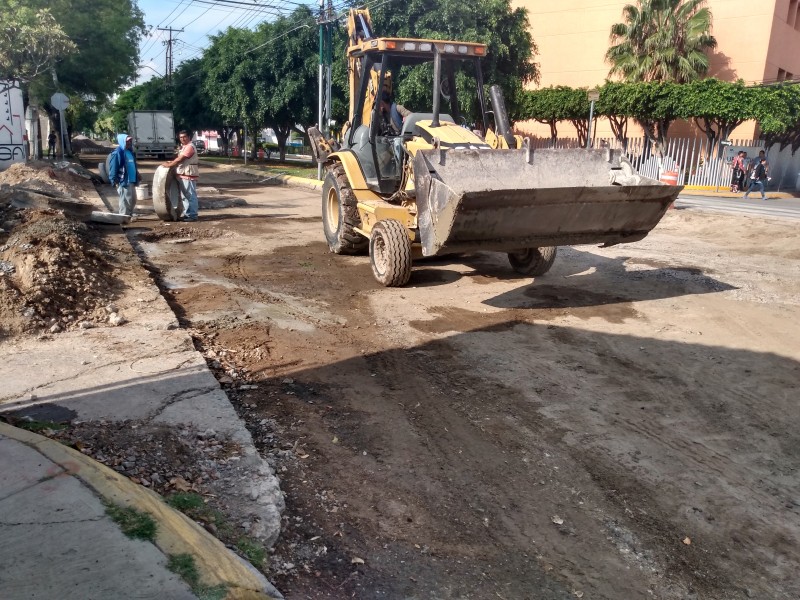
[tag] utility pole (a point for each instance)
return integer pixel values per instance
(327, 17)
(168, 43)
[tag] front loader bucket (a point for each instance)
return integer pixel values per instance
(510, 199)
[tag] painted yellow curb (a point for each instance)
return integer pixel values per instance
(314, 184)
(175, 534)
(699, 190)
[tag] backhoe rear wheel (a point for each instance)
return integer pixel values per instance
(340, 214)
(390, 253)
(533, 261)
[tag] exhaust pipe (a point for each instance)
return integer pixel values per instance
(501, 116)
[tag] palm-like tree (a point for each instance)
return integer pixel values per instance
(662, 40)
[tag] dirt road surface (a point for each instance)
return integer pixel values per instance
(625, 426)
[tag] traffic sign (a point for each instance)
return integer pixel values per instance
(593, 95)
(59, 101)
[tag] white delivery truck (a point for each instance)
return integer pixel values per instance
(153, 133)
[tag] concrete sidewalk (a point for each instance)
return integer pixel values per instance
(60, 540)
(57, 538)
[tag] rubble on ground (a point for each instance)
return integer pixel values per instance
(66, 179)
(84, 145)
(55, 273)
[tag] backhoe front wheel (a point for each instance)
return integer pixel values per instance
(533, 261)
(390, 253)
(340, 214)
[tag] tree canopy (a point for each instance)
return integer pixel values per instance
(553, 104)
(31, 41)
(509, 60)
(717, 107)
(662, 40)
(777, 109)
(106, 35)
(288, 63)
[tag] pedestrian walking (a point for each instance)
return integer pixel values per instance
(51, 145)
(188, 169)
(754, 163)
(124, 174)
(758, 177)
(739, 167)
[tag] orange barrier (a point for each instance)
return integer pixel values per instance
(669, 177)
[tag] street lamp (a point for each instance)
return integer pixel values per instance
(147, 67)
(593, 96)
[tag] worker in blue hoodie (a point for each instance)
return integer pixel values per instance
(124, 174)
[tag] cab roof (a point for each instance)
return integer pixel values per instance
(418, 48)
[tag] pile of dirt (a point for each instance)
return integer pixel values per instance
(54, 273)
(83, 145)
(41, 176)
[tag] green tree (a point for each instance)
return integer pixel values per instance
(777, 110)
(104, 125)
(543, 106)
(662, 40)
(608, 107)
(107, 34)
(553, 104)
(31, 41)
(268, 77)
(150, 95)
(510, 56)
(231, 76)
(184, 97)
(288, 64)
(190, 103)
(653, 105)
(717, 107)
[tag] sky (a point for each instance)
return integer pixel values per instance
(199, 19)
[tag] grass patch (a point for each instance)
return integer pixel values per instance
(252, 551)
(135, 524)
(186, 502)
(183, 566)
(39, 426)
(194, 507)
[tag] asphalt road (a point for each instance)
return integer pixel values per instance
(786, 208)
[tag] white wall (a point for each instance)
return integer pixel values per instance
(12, 125)
(784, 169)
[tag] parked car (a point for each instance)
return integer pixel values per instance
(200, 146)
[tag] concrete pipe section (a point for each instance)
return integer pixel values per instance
(166, 194)
(104, 168)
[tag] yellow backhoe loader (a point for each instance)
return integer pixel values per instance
(426, 185)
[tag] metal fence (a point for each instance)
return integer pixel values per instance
(696, 165)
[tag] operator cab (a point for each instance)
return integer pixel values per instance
(380, 65)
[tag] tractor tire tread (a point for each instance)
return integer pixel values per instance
(398, 253)
(537, 263)
(348, 241)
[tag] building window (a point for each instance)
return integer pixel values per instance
(781, 75)
(789, 76)
(793, 17)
